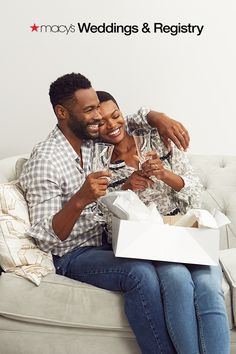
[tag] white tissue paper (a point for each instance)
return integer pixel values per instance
(204, 218)
(138, 231)
(126, 205)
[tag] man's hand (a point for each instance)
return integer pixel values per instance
(94, 187)
(137, 181)
(169, 129)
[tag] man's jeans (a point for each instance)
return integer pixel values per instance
(194, 308)
(138, 282)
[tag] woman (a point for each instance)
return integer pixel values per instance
(192, 295)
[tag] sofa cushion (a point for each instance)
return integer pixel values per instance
(228, 263)
(61, 301)
(18, 252)
(3, 178)
(7, 167)
(19, 166)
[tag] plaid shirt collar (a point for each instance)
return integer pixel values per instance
(67, 147)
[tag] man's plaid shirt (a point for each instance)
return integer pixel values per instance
(50, 178)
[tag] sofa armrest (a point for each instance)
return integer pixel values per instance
(228, 301)
(228, 264)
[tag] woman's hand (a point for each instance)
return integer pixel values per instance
(153, 166)
(137, 181)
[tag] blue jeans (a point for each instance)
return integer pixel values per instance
(194, 308)
(138, 282)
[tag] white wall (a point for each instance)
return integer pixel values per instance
(191, 78)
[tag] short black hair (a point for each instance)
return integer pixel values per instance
(65, 86)
(104, 96)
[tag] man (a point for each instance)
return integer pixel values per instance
(60, 191)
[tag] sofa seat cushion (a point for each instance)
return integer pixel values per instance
(61, 301)
(228, 263)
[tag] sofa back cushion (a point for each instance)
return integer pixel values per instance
(8, 168)
(218, 176)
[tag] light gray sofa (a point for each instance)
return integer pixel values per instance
(65, 316)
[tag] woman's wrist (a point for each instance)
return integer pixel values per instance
(172, 180)
(126, 186)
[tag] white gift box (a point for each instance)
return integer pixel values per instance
(193, 239)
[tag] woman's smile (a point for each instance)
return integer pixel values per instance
(114, 132)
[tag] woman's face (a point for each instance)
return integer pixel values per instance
(112, 125)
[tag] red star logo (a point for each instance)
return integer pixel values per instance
(34, 28)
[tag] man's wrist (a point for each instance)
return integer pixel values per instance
(79, 202)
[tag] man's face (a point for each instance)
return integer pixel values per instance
(84, 114)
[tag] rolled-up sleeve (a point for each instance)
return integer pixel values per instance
(190, 195)
(138, 120)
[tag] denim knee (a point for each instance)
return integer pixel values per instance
(208, 281)
(142, 274)
(175, 277)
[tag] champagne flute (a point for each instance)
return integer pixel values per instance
(101, 157)
(142, 139)
(158, 146)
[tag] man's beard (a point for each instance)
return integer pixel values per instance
(80, 129)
